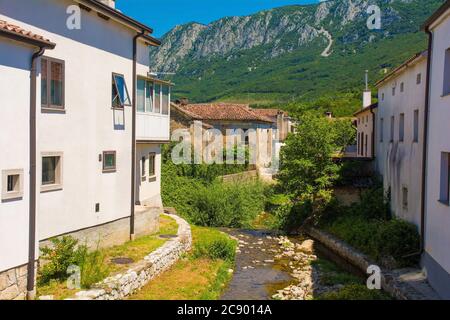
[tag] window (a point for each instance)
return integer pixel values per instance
(405, 198)
(381, 130)
(12, 184)
(51, 171)
(447, 73)
(401, 128)
(361, 149)
(165, 99)
(393, 91)
(157, 98)
(416, 126)
(151, 165)
(402, 87)
(144, 96)
(120, 96)
(109, 161)
(392, 128)
(419, 78)
(445, 178)
(365, 145)
(382, 96)
(143, 173)
(52, 83)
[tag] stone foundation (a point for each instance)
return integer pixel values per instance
(125, 284)
(13, 283)
(116, 232)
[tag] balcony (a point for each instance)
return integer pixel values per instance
(152, 126)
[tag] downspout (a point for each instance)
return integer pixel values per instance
(32, 218)
(133, 137)
(373, 133)
(425, 142)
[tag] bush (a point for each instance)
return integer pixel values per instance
(214, 245)
(227, 204)
(400, 240)
(355, 292)
(66, 252)
(63, 253)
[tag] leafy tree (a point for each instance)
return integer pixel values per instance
(307, 170)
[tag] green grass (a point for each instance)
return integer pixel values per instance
(355, 292)
(140, 247)
(353, 288)
(194, 277)
(135, 250)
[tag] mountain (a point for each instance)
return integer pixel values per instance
(292, 53)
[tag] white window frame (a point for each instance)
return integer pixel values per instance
(18, 192)
(58, 185)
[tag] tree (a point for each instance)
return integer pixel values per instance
(307, 170)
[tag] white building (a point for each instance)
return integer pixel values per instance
(399, 136)
(95, 151)
(436, 257)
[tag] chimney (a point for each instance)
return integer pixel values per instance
(367, 95)
(110, 3)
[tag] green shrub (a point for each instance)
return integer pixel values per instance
(93, 268)
(382, 240)
(65, 252)
(227, 204)
(400, 240)
(216, 246)
(355, 292)
(58, 257)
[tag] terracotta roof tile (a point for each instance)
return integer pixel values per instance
(223, 111)
(18, 31)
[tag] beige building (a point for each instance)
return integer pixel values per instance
(365, 120)
(255, 127)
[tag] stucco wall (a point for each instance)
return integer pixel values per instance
(15, 60)
(148, 188)
(400, 163)
(365, 130)
(89, 125)
(437, 214)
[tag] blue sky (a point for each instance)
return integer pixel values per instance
(163, 15)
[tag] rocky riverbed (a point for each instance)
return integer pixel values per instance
(270, 266)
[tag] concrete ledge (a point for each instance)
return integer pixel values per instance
(404, 284)
(123, 285)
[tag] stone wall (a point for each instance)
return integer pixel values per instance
(403, 284)
(125, 284)
(13, 283)
(242, 176)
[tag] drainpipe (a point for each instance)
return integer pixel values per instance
(32, 218)
(133, 136)
(373, 133)
(425, 141)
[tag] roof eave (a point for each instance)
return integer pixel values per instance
(435, 16)
(26, 39)
(107, 10)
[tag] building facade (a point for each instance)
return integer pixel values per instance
(246, 126)
(91, 166)
(365, 124)
(436, 256)
(399, 138)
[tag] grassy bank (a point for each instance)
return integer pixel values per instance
(200, 275)
(96, 265)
